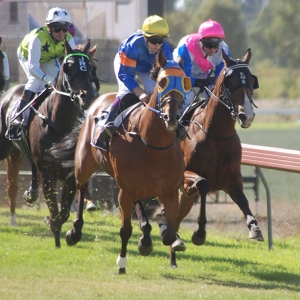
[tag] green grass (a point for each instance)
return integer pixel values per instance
(227, 267)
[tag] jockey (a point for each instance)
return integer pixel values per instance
(135, 58)
(39, 54)
(200, 53)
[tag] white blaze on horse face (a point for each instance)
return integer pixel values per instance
(82, 64)
(246, 112)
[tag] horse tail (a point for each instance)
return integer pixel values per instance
(63, 152)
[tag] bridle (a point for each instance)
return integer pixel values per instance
(242, 75)
(84, 66)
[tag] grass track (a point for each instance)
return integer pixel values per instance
(229, 266)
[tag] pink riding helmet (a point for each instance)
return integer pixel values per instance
(211, 29)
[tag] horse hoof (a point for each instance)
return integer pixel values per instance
(70, 238)
(145, 251)
(198, 241)
(28, 199)
(255, 234)
(122, 271)
(91, 206)
(178, 245)
(13, 220)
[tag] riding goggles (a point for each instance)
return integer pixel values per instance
(155, 40)
(58, 29)
(211, 45)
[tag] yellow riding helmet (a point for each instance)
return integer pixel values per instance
(155, 25)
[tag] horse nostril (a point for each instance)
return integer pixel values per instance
(242, 117)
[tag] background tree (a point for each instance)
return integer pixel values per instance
(227, 13)
(275, 34)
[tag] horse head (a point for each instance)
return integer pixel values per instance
(237, 86)
(172, 85)
(76, 76)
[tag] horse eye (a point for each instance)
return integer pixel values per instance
(162, 84)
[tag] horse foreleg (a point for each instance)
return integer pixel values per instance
(240, 199)
(168, 231)
(199, 236)
(145, 246)
(13, 164)
(49, 184)
(73, 236)
(125, 230)
(30, 197)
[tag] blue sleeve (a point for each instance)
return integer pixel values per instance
(167, 51)
(187, 62)
(220, 66)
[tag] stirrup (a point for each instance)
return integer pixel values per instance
(107, 132)
(14, 133)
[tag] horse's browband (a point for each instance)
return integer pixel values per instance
(76, 54)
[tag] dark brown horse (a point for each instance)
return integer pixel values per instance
(2, 80)
(144, 157)
(53, 117)
(212, 155)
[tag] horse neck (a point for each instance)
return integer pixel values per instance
(152, 127)
(62, 109)
(217, 119)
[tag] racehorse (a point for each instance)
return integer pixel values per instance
(53, 117)
(212, 154)
(2, 79)
(144, 157)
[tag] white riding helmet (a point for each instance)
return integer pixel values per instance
(58, 15)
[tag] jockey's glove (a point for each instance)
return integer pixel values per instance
(202, 83)
(49, 80)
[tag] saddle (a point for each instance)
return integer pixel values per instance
(128, 104)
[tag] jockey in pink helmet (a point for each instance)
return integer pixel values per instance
(201, 54)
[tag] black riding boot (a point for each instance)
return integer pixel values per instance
(16, 125)
(181, 132)
(109, 128)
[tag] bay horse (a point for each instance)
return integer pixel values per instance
(212, 154)
(54, 116)
(144, 157)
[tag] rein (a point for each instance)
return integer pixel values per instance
(71, 94)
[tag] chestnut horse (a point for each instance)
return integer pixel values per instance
(144, 157)
(212, 155)
(53, 117)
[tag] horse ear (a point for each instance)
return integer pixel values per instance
(87, 47)
(161, 58)
(247, 56)
(68, 48)
(93, 51)
(225, 58)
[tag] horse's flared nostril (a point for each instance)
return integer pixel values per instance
(242, 117)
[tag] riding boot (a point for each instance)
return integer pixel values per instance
(16, 126)
(181, 132)
(109, 128)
